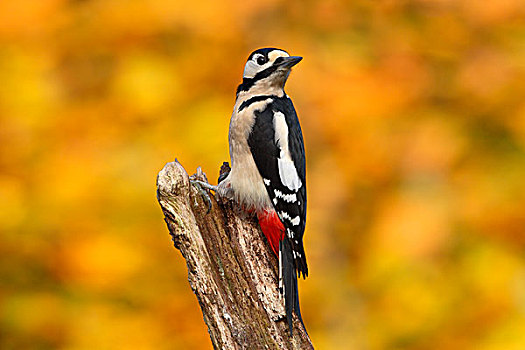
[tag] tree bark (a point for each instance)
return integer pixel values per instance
(231, 268)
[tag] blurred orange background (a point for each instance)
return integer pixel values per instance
(413, 114)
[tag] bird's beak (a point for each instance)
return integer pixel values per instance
(289, 62)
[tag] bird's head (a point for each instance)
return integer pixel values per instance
(267, 68)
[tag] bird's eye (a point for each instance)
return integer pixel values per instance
(261, 60)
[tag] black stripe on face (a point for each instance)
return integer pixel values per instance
(247, 83)
(254, 99)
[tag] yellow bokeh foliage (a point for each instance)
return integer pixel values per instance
(414, 121)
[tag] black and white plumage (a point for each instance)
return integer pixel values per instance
(276, 143)
(268, 173)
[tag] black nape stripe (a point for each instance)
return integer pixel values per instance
(253, 100)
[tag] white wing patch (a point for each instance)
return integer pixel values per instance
(287, 171)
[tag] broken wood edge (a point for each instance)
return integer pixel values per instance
(231, 268)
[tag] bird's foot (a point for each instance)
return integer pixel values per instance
(202, 186)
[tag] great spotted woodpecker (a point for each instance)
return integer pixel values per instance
(268, 173)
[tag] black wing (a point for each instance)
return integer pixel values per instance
(265, 151)
(288, 203)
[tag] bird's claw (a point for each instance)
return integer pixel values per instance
(202, 186)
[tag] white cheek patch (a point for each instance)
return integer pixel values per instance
(252, 67)
(287, 172)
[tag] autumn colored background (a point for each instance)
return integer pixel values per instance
(413, 114)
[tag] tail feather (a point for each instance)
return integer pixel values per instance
(281, 245)
(289, 281)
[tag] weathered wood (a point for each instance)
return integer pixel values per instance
(231, 268)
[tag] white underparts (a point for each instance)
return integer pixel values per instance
(244, 181)
(287, 171)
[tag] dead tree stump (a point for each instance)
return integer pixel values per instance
(231, 268)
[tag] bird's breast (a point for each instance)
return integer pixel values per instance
(244, 179)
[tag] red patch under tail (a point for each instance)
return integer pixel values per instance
(272, 227)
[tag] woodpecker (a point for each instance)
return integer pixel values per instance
(268, 171)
